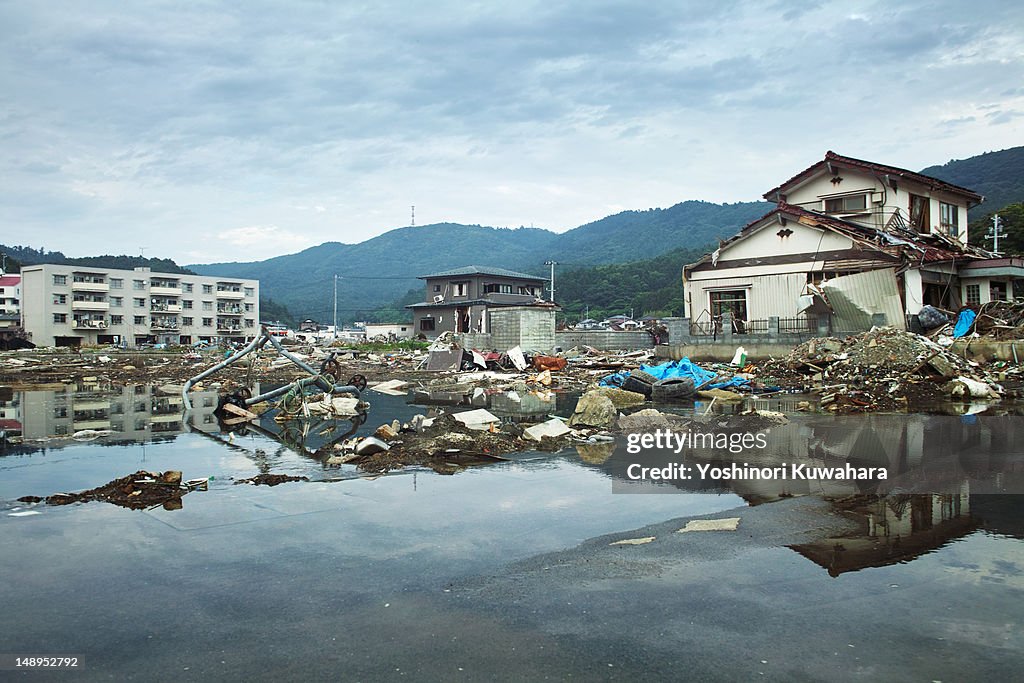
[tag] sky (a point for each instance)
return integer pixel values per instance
(235, 131)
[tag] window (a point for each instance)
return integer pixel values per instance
(249, 322)
(461, 288)
(532, 291)
(427, 325)
(60, 411)
(60, 318)
(495, 288)
(847, 204)
(207, 322)
(186, 321)
(949, 219)
(139, 320)
(186, 304)
(207, 305)
(732, 301)
(117, 320)
(139, 302)
(437, 288)
(919, 219)
(249, 308)
(972, 294)
(60, 279)
(117, 301)
(139, 285)
(60, 299)
(116, 283)
(249, 291)
(207, 289)
(997, 291)
(186, 287)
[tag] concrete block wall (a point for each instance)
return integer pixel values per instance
(531, 329)
(604, 340)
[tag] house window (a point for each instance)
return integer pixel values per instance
(972, 294)
(207, 305)
(919, 218)
(60, 318)
(60, 299)
(138, 285)
(997, 291)
(249, 322)
(461, 288)
(139, 302)
(116, 283)
(186, 304)
(496, 288)
(186, 321)
(531, 291)
(732, 301)
(139, 319)
(117, 301)
(426, 325)
(117, 320)
(437, 288)
(207, 289)
(60, 279)
(848, 204)
(249, 291)
(207, 322)
(186, 287)
(949, 219)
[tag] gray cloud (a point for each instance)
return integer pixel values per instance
(184, 119)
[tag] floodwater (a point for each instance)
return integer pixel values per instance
(505, 572)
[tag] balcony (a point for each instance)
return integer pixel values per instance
(229, 326)
(163, 324)
(89, 324)
(165, 308)
(236, 294)
(86, 305)
(229, 310)
(89, 286)
(165, 289)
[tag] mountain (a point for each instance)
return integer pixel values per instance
(27, 256)
(374, 273)
(998, 176)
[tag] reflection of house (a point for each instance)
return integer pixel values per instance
(891, 530)
(459, 300)
(849, 241)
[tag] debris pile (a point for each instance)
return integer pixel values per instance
(881, 370)
(140, 491)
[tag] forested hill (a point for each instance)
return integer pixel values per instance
(998, 176)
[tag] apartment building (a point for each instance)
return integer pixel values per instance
(10, 305)
(74, 305)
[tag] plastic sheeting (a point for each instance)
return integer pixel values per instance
(964, 322)
(702, 379)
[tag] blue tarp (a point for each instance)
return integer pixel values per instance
(702, 379)
(964, 322)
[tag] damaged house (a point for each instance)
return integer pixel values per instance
(462, 300)
(849, 244)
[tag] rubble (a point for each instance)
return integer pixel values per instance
(594, 409)
(139, 491)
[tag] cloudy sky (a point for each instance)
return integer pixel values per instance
(221, 131)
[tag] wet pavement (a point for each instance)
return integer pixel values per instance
(500, 572)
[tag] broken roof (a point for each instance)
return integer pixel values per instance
(483, 270)
(916, 248)
(871, 167)
(536, 303)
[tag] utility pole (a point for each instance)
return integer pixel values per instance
(414, 215)
(552, 264)
(335, 307)
(994, 233)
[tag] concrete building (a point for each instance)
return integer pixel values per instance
(389, 330)
(10, 304)
(76, 305)
(459, 300)
(850, 244)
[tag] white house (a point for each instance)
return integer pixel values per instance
(849, 240)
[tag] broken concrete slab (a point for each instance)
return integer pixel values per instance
(720, 395)
(594, 409)
(553, 428)
(393, 387)
(619, 397)
(634, 541)
(726, 524)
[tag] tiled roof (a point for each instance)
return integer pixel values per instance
(483, 270)
(933, 183)
(10, 280)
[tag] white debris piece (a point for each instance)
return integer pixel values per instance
(477, 419)
(553, 428)
(634, 541)
(393, 387)
(340, 406)
(515, 354)
(727, 524)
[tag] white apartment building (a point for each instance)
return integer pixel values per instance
(76, 305)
